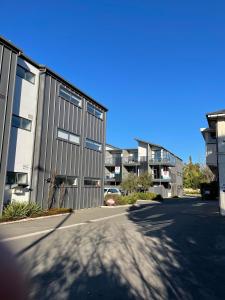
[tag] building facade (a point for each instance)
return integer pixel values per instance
(214, 137)
(52, 136)
(165, 167)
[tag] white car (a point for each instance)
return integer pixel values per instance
(114, 191)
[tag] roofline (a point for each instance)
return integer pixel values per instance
(115, 148)
(10, 45)
(156, 145)
(46, 69)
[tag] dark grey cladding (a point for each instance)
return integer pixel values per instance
(55, 156)
(52, 155)
(8, 62)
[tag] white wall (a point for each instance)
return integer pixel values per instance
(22, 141)
(221, 163)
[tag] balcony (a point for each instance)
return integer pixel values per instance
(134, 160)
(162, 179)
(170, 162)
(112, 161)
(112, 177)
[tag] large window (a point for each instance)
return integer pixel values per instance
(93, 145)
(94, 111)
(66, 181)
(92, 182)
(25, 74)
(16, 178)
(68, 136)
(70, 96)
(22, 123)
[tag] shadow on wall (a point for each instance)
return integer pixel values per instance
(170, 251)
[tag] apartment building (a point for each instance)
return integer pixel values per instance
(52, 136)
(164, 166)
(214, 137)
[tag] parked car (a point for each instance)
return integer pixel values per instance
(110, 190)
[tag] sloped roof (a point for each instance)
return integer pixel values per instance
(159, 146)
(215, 113)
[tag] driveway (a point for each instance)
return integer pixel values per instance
(173, 250)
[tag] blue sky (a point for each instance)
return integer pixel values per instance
(158, 66)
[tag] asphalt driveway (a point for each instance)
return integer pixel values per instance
(173, 250)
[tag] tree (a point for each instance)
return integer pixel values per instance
(130, 184)
(192, 175)
(144, 181)
(207, 174)
(195, 174)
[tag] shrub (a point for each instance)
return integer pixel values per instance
(146, 196)
(130, 183)
(122, 200)
(158, 197)
(19, 210)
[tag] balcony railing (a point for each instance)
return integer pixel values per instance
(129, 160)
(113, 161)
(112, 177)
(161, 179)
(134, 159)
(162, 161)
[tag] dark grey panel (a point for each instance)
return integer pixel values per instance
(8, 61)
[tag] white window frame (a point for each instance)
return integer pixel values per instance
(71, 95)
(68, 136)
(96, 112)
(94, 143)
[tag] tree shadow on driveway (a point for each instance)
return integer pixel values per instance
(171, 251)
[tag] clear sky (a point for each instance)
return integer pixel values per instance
(158, 66)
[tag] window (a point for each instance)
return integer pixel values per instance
(17, 178)
(66, 181)
(68, 136)
(94, 111)
(92, 182)
(93, 145)
(213, 135)
(70, 96)
(25, 74)
(21, 123)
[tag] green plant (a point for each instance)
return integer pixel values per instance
(130, 184)
(18, 210)
(146, 196)
(144, 181)
(122, 200)
(158, 197)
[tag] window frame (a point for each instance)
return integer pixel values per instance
(94, 111)
(76, 178)
(69, 134)
(70, 96)
(94, 142)
(26, 71)
(16, 174)
(94, 180)
(21, 119)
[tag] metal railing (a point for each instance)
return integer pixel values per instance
(113, 161)
(117, 161)
(162, 160)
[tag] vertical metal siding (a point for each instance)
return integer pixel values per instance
(8, 61)
(56, 155)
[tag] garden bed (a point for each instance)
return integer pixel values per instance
(117, 200)
(16, 211)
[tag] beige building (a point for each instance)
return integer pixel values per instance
(214, 137)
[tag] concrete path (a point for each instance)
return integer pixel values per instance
(174, 250)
